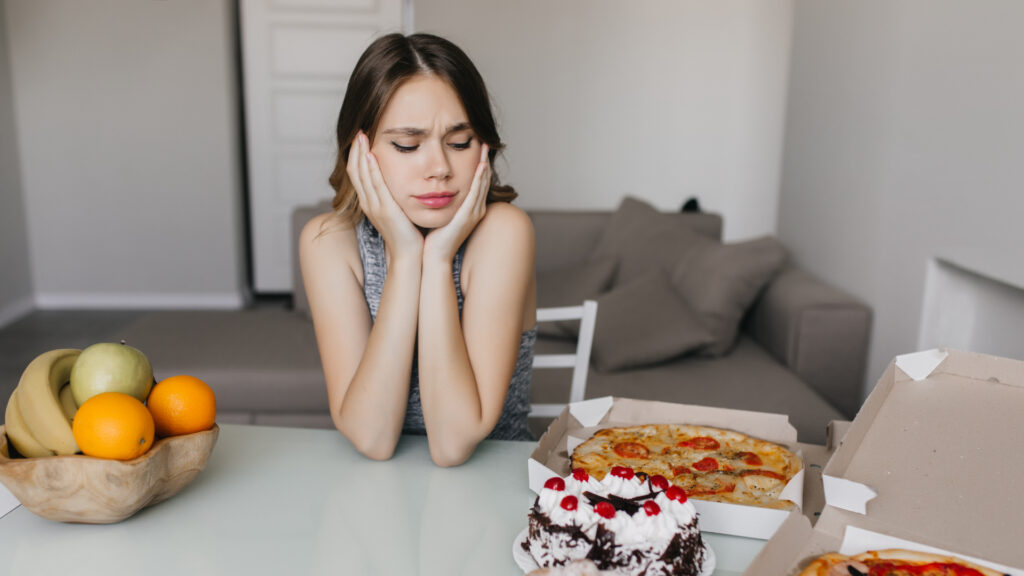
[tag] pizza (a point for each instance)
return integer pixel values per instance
(894, 562)
(708, 463)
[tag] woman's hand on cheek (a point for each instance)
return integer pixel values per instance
(442, 243)
(400, 235)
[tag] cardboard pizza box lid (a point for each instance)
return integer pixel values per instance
(930, 462)
(795, 543)
(581, 419)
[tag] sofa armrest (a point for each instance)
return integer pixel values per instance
(818, 332)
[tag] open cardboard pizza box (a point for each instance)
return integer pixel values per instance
(580, 420)
(933, 461)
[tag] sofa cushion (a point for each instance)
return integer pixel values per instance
(643, 239)
(721, 281)
(567, 237)
(570, 286)
(643, 322)
(747, 379)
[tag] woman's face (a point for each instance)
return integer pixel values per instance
(426, 150)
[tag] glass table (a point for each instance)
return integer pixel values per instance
(295, 501)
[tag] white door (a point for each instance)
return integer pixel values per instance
(296, 59)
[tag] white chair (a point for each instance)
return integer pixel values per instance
(579, 362)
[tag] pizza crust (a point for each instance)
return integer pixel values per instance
(822, 565)
(835, 564)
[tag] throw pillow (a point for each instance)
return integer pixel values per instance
(642, 239)
(644, 322)
(721, 281)
(570, 286)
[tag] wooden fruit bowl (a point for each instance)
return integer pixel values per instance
(98, 491)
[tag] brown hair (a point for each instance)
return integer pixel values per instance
(384, 66)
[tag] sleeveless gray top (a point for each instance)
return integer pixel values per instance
(512, 423)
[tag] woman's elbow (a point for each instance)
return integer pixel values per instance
(448, 460)
(376, 452)
(452, 447)
(374, 448)
(447, 455)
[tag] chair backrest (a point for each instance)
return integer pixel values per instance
(579, 362)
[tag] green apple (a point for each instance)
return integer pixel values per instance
(110, 367)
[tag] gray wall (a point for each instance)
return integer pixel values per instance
(661, 99)
(904, 145)
(127, 128)
(15, 279)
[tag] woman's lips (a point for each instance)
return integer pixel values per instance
(435, 199)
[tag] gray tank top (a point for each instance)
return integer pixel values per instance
(512, 423)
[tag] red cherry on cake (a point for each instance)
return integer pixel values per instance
(580, 475)
(659, 482)
(570, 503)
(675, 493)
(605, 509)
(652, 508)
(555, 483)
(622, 472)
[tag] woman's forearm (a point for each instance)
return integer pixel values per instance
(452, 409)
(373, 409)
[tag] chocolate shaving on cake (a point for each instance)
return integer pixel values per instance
(627, 505)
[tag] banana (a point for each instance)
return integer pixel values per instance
(67, 402)
(18, 434)
(39, 402)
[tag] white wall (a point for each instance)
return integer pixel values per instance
(661, 99)
(127, 129)
(969, 311)
(904, 141)
(15, 280)
(127, 146)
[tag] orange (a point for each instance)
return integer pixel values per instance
(113, 425)
(182, 405)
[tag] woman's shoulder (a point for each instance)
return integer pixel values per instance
(503, 222)
(504, 229)
(324, 236)
(326, 228)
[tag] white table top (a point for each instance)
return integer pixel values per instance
(293, 501)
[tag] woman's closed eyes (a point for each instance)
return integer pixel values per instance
(414, 147)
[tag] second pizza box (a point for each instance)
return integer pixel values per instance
(933, 462)
(580, 420)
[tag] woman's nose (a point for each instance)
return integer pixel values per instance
(438, 166)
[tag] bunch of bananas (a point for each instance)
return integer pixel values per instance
(40, 410)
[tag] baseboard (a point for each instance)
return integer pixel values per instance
(139, 301)
(13, 310)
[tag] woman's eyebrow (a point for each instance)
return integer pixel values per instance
(411, 131)
(408, 131)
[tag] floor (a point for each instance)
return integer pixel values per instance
(43, 330)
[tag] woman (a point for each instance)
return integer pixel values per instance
(421, 281)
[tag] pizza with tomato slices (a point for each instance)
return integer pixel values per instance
(708, 463)
(894, 563)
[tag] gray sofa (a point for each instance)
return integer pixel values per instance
(802, 350)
